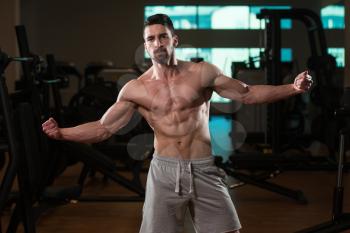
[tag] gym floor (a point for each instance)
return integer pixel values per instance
(259, 210)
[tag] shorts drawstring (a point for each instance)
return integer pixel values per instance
(191, 176)
(178, 174)
(178, 171)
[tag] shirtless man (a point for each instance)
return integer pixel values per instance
(173, 96)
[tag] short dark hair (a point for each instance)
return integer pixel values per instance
(162, 19)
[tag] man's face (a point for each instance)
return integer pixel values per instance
(159, 43)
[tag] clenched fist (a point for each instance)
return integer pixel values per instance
(50, 127)
(303, 82)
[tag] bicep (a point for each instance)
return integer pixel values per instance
(230, 88)
(226, 87)
(118, 115)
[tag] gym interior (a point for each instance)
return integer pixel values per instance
(286, 163)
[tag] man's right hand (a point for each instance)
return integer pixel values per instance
(50, 127)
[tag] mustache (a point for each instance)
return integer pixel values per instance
(160, 50)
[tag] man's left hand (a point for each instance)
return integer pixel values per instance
(303, 82)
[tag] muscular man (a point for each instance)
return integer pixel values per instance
(173, 96)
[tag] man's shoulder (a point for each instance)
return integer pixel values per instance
(134, 86)
(132, 89)
(202, 67)
(191, 65)
(208, 72)
(208, 66)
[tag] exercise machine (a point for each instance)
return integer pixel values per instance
(322, 65)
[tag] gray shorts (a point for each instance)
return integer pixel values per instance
(175, 185)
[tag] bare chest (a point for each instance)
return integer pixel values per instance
(174, 96)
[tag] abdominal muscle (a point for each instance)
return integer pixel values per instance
(181, 134)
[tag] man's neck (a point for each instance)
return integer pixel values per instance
(164, 71)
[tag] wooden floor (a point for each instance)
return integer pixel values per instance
(259, 210)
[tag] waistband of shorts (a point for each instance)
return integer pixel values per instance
(173, 162)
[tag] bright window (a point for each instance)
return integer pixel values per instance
(183, 17)
(223, 57)
(333, 17)
(220, 127)
(215, 17)
(223, 17)
(339, 55)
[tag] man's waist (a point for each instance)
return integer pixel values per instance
(173, 161)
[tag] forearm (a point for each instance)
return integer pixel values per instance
(258, 94)
(91, 132)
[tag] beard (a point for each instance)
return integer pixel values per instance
(161, 56)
